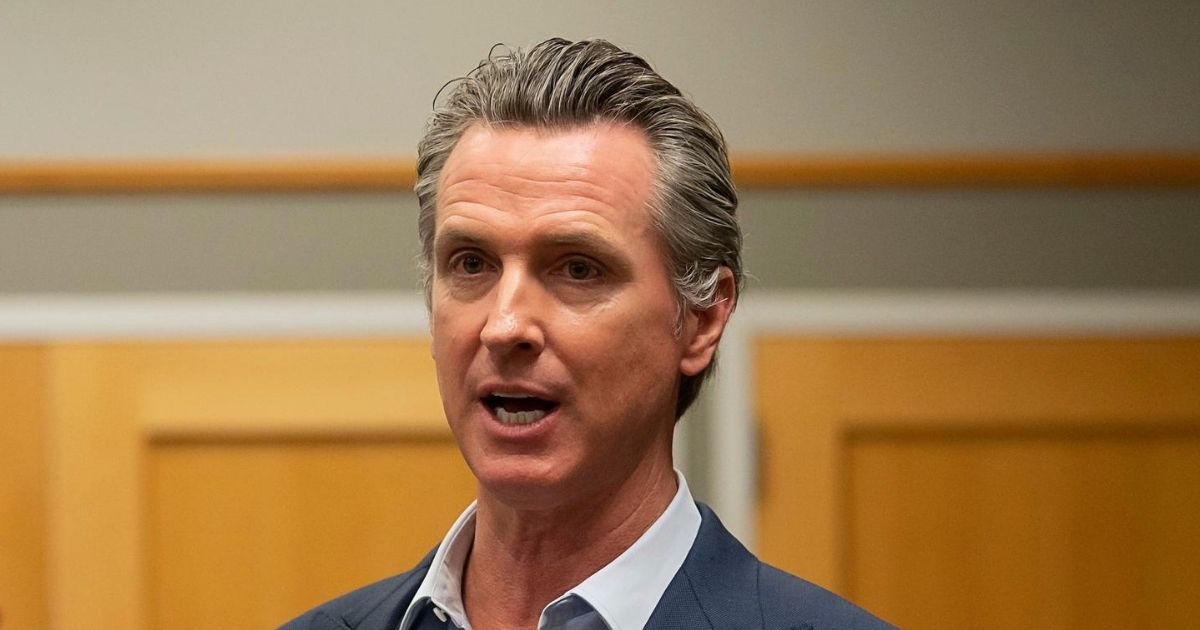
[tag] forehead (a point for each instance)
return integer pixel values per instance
(602, 167)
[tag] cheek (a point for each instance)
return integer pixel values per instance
(624, 353)
(450, 323)
(450, 351)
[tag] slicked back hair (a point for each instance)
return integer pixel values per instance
(559, 84)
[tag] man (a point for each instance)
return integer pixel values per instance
(583, 257)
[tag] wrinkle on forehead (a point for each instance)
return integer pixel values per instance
(517, 188)
(550, 166)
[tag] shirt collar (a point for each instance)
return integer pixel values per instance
(442, 585)
(624, 592)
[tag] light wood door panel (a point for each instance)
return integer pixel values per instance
(987, 483)
(995, 530)
(248, 534)
(22, 488)
(186, 475)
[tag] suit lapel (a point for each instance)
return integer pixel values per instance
(324, 622)
(679, 609)
(383, 613)
(717, 587)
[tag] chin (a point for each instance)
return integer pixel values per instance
(525, 484)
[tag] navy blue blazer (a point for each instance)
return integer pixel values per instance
(721, 586)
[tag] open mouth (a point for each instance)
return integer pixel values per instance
(519, 408)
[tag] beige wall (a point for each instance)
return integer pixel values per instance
(214, 77)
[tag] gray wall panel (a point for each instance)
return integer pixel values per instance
(876, 239)
(1082, 239)
(269, 242)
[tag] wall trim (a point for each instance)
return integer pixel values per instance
(100, 176)
(969, 170)
(165, 316)
(362, 173)
(386, 313)
(981, 311)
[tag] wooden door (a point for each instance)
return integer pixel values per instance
(23, 602)
(987, 483)
(235, 484)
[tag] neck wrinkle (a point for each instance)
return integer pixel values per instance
(521, 560)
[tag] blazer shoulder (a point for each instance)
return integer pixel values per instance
(733, 585)
(377, 605)
(794, 603)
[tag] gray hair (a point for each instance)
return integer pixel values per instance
(559, 84)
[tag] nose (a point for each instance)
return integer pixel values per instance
(514, 321)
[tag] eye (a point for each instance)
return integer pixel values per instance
(472, 264)
(469, 263)
(579, 269)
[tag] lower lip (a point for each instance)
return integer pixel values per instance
(530, 431)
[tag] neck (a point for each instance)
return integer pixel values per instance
(522, 559)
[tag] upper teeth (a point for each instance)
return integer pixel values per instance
(499, 395)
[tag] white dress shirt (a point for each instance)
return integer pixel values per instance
(620, 596)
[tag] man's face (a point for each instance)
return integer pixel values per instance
(553, 314)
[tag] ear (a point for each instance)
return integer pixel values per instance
(702, 328)
(432, 332)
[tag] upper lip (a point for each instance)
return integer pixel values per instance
(496, 387)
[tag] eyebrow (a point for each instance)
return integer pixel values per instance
(580, 240)
(455, 236)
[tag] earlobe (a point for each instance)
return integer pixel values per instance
(707, 325)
